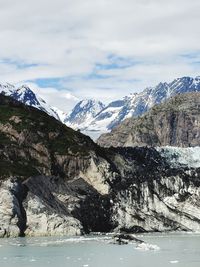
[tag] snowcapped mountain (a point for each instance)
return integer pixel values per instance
(84, 113)
(61, 114)
(92, 117)
(132, 105)
(25, 95)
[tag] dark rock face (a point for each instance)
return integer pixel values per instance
(123, 239)
(145, 194)
(76, 199)
(19, 190)
(67, 185)
(151, 194)
(174, 123)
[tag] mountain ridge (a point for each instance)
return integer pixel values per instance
(172, 123)
(25, 95)
(137, 104)
(93, 118)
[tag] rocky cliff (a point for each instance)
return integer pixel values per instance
(63, 172)
(174, 123)
(55, 181)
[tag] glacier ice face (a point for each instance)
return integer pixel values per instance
(189, 156)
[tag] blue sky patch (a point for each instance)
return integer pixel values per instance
(18, 64)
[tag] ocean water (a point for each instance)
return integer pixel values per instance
(163, 250)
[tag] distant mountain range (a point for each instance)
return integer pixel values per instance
(93, 118)
(172, 123)
(133, 105)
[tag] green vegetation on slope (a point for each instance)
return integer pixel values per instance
(23, 129)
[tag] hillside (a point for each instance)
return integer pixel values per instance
(35, 142)
(54, 163)
(56, 181)
(173, 123)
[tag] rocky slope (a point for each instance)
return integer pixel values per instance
(136, 104)
(174, 123)
(57, 181)
(33, 144)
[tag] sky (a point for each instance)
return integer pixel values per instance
(68, 50)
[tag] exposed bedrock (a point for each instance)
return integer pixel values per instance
(143, 194)
(12, 212)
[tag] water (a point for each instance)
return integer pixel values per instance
(96, 251)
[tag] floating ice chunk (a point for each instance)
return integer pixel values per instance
(146, 246)
(173, 262)
(32, 260)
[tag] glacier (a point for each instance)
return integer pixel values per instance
(176, 156)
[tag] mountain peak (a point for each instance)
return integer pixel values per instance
(90, 103)
(25, 95)
(134, 104)
(84, 112)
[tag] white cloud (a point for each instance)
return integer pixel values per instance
(66, 39)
